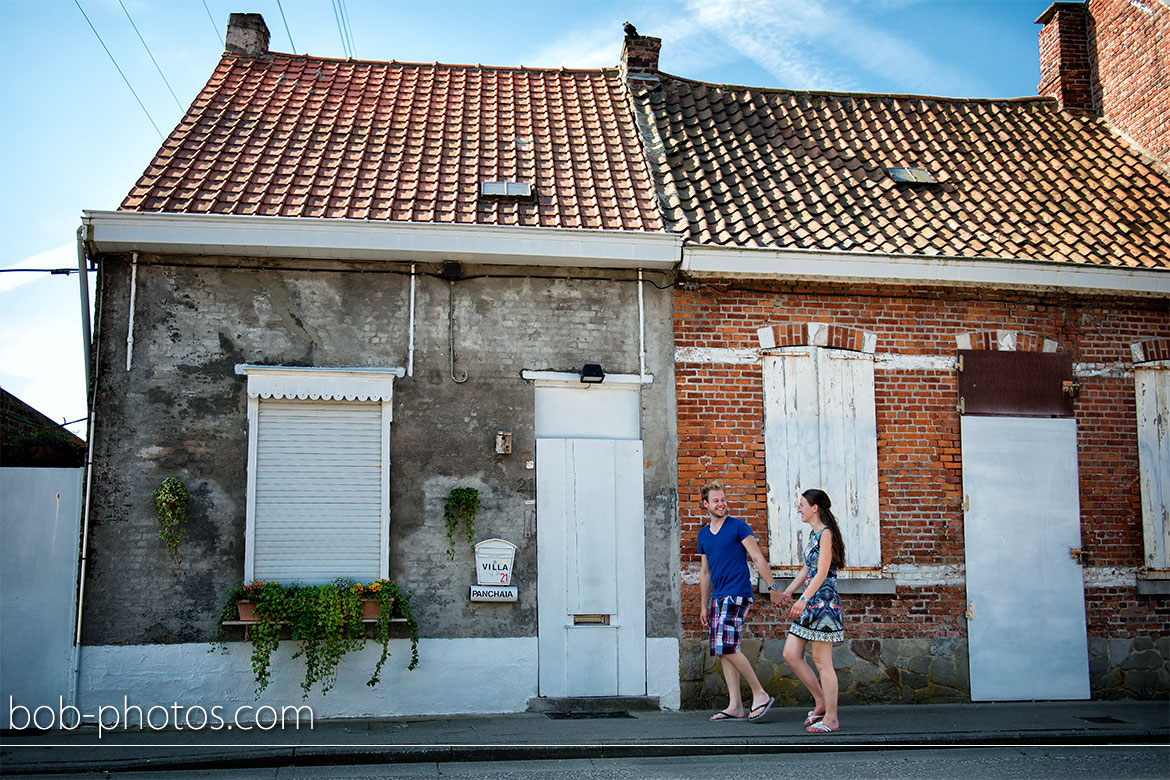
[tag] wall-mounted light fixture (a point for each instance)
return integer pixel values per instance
(591, 374)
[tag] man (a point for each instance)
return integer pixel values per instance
(725, 587)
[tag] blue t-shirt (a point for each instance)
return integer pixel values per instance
(727, 558)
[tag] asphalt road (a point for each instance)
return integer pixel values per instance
(976, 763)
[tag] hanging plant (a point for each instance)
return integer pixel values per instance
(170, 508)
(326, 622)
(462, 506)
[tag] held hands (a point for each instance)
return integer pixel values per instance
(783, 600)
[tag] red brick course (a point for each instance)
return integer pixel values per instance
(720, 429)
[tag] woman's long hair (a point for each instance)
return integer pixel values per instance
(820, 499)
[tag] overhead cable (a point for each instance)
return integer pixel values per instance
(149, 54)
(119, 69)
(293, 46)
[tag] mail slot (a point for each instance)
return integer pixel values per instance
(591, 620)
(494, 559)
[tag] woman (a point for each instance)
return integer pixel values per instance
(817, 612)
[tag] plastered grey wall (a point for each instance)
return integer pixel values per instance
(180, 410)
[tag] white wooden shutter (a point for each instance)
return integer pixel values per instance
(319, 491)
(820, 431)
(1152, 385)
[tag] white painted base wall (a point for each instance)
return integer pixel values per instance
(453, 676)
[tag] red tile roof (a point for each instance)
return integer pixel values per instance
(1016, 178)
(294, 136)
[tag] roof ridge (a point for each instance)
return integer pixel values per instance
(435, 64)
(843, 94)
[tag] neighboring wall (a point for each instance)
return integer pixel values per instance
(1111, 58)
(1131, 84)
(721, 408)
(181, 411)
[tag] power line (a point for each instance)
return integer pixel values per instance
(290, 40)
(119, 69)
(348, 28)
(149, 54)
(214, 26)
(345, 44)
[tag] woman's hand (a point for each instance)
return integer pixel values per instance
(797, 608)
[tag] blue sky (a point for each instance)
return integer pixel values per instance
(73, 136)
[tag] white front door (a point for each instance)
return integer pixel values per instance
(1025, 592)
(590, 544)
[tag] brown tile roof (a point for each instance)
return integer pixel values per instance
(297, 136)
(1016, 178)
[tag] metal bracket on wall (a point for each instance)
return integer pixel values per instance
(451, 333)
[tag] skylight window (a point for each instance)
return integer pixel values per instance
(911, 176)
(506, 189)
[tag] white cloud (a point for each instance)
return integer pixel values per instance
(808, 44)
(41, 360)
(64, 256)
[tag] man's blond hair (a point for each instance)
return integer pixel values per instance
(712, 485)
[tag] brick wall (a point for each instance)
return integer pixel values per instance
(1131, 85)
(1112, 58)
(720, 430)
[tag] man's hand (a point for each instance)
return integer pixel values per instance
(776, 597)
(704, 618)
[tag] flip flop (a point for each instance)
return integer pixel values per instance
(819, 728)
(725, 715)
(813, 717)
(765, 707)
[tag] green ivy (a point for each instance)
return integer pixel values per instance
(171, 499)
(461, 508)
(325, 621)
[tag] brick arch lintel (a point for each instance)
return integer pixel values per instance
(817, 334)
(1150, 349)
(1005, 341)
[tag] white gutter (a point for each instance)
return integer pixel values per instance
(355, 239)
(761, 263)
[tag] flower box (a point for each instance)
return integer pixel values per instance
(247, 610)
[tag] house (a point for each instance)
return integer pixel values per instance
(342, 289)
(951, 315)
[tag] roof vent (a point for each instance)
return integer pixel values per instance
(911, 176)
(505, 189)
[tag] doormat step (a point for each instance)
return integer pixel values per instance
(1099, 719)
(587, 715)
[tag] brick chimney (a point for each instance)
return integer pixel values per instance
(640, 58)
(1066, 69)
(247, 34)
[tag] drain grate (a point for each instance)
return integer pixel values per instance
(1100, 719)
(587, 715)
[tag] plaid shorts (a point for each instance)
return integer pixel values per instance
(727, 616)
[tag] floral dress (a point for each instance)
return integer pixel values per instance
(821, 620)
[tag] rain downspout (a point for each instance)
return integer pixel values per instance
(91, 397)
(410, 342)
(130, 323)
(641, 331)
(83, 273)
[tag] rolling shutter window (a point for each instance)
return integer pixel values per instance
(318, 491)
(1152, 384)
(820, 431)
(318, 504)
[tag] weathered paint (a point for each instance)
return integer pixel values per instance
(1152, 387)
(181, 411)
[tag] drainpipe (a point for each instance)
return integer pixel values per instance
(91, 398)
(641, 332)
(130, 323)
(410, 342)
(83, 274)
